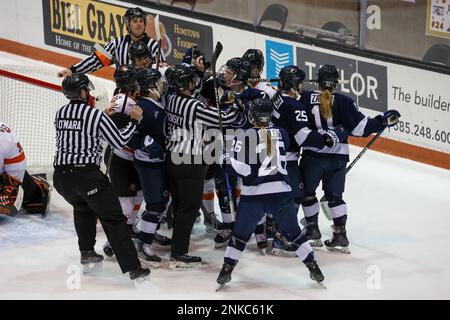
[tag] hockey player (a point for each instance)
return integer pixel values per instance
(325, 110)
(256, 59)
(259, 157)
(78, 179)
(290, 115)
(233, 81)
(140, 55)
(135, 20)
(185, 123)
(196, 59)
(36, 190)
(122, 173)
(149, 158)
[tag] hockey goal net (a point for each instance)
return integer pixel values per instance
(30, 98)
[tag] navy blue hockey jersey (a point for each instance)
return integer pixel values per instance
(152, 124)
(290, 114)
(262, 175)
(344, 113)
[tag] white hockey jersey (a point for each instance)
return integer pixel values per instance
(118, 102)
(266, 87)
(12, 157)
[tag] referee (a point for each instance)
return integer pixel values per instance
(186, 118)
(135, 21)
(77, 177)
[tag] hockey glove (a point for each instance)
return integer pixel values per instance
(389, 118)
(8, 190)
(224, 160)
(154, 150)
(335, 136)
(228, 98)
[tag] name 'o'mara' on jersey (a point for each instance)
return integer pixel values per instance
(262, 175)
(345, 113)
(123, 103)
(12, 157)
(290, 114)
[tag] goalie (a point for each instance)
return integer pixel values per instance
(36, 190)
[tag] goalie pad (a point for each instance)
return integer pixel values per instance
(10, 195)
(37, 192)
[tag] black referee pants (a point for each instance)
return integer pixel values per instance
(186, 188)
(92, 197)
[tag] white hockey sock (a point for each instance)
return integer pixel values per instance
(208, 195)
(127, 204)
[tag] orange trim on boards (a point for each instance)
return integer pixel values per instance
(399, 149)
(404, 150)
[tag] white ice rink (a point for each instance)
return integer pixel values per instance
(398, 227)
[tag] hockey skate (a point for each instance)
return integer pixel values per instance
(270, 229)
(139, 275)
(107, 249)
(184, 262)
(315, 273)
(339, 241)
(261, 242)
(283, 247)
(312, 233)
(90, 261)
(224, 276)
(161, 242)
(146, 253)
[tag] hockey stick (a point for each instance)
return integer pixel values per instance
(158, 38)
(323, 200)
(214, 58)
(106, 54)
(262, 80)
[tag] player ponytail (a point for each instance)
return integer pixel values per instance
(326, 104)
(265, 137)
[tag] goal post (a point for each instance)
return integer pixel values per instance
(30, 97)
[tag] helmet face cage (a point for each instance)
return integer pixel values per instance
(72, 85)
(181, 77)
(328, 76)
(138, 50)
(255, 57)
(145, 80)
(260, 111)
(122, 77)
(292, 77)
(240, 68)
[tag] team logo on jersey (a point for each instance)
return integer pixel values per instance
(240, 121)
(156, 114)
(4, 128)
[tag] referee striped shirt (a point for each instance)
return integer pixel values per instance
(186, 121)
(118, 48)
(79, 131)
